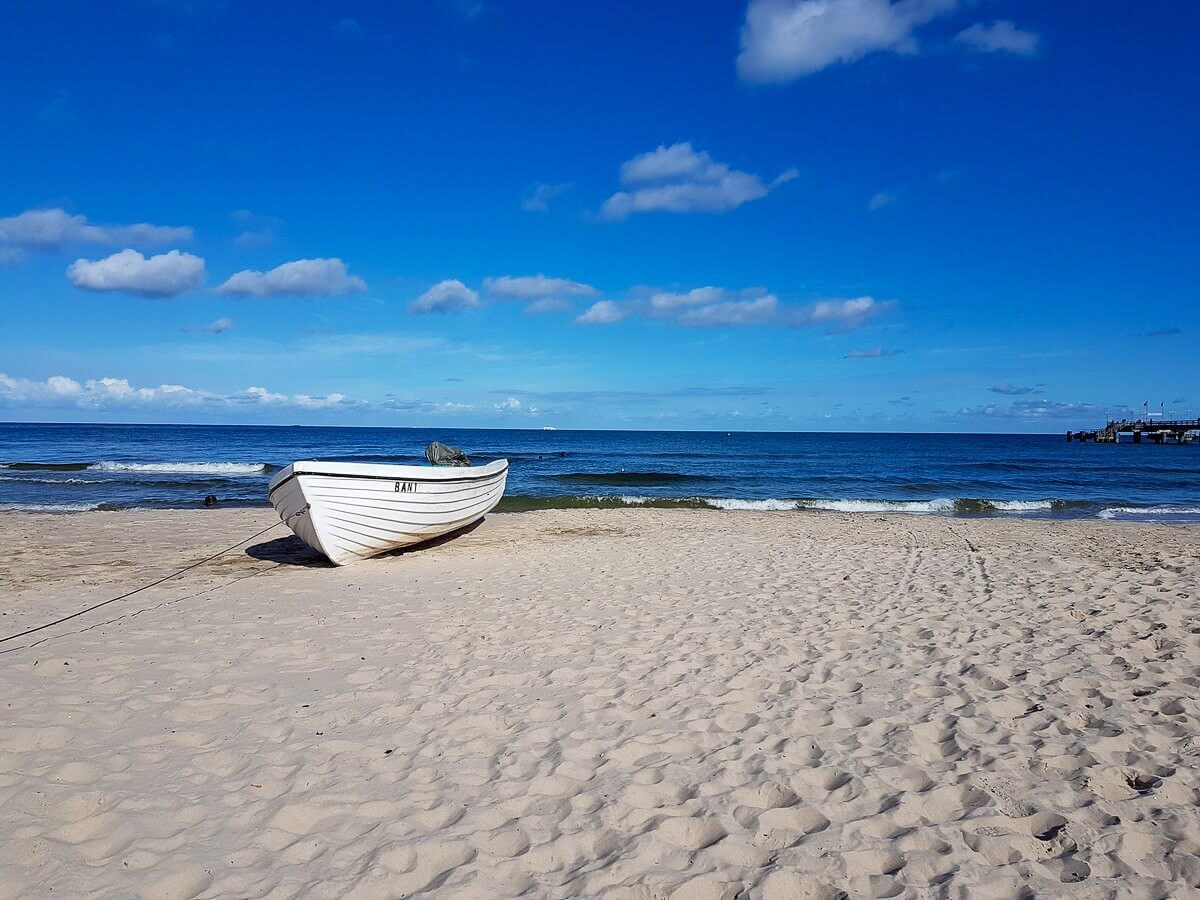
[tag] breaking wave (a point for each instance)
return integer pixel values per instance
(941, 505)
(176, 468)
(181, 468)
(1118, 512)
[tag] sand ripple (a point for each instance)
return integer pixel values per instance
(619, 704)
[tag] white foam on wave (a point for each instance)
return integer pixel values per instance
(49, 507)
(939, 505)
(740, 504)
(184, 468)
(1021, 505)
(1115, 512)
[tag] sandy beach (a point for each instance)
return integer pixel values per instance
(604, 703)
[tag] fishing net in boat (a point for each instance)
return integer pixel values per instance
(440, 454)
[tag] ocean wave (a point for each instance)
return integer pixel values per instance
(768, 505)
(181, 468)
(939, 505)
(1116, 512)
(53, 507)
(47, 466)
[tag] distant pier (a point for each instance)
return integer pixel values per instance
(1156, 431)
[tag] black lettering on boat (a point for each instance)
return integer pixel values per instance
(406, 487)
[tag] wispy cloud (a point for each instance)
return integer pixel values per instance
(53, 229)
(1001, 36)
(349, 29)
(880, 200)
(690, 391)
(59, 112)
(538, 200)
(1042, 409)
(872, 353)
(1014, 390)
(219, 326)
(787, 39)
(680, 179)
(166, 275)
(257, 230)
(447, 296)
(61, 392)
(709, 306)
(301, 278)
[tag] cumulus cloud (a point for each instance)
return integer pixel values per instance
(53, 229)
(872, 353)
(1001, 36)
(602, 312)
(536, 287)
(787, 39)
(842, 315)
(166, 275)
(61, 392)
(540, 293)
(446, 296)
(301, 278)
(1013, 390)
(680, 179)
(541, 195)
(514, 405)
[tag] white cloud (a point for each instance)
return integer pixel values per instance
(666, 302)
(301, 278)
(871, 353)
(602, 312)
(1001, 36)
(732, 312)
(513, 405)
(548, 305)
(53, 229)
(842, 315)
(446, 296)
(539, 199)
(536, 287)
(541, 293)
(680, 179)
(714, 306)
(786, 39)
(61, 392)
(166, 275)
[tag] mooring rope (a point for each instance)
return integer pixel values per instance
(146, 587)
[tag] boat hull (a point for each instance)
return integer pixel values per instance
(353, 511)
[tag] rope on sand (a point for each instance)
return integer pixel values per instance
(146, 587)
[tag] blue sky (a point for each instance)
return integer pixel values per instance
(774, 215)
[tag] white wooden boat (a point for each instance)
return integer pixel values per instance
(350, 511)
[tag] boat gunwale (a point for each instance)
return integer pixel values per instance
(497, 469)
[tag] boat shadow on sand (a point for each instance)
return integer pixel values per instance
(291, 551)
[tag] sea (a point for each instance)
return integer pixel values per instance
(71, 467)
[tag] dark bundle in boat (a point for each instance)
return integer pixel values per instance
(440, 454)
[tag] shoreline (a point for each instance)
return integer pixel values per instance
(622, 703)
